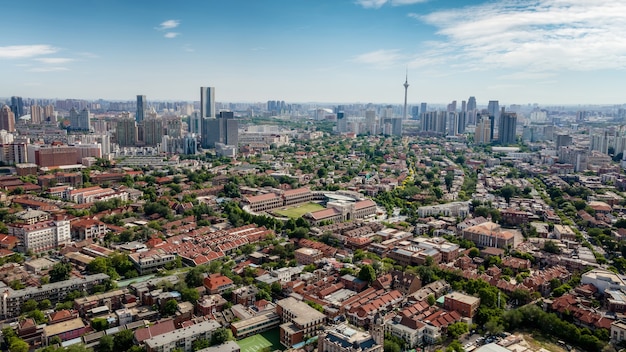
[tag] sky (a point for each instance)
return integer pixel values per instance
(349, 51)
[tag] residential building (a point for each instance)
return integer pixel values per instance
(305, 256)
(182, 338)
(66, 330)
(12, 300)
(7, 119)
(218, 283)
(264, 321)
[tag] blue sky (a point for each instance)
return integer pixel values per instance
(515, 51)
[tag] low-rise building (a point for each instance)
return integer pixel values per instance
(464, 304)
(182, 338)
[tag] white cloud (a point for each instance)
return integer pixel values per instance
(54, 60)
(26, 51)
(531, 35)
(167, 25)
(171, 35)
(380, 59)
(188, 48)
(376, 4)
(48, 69)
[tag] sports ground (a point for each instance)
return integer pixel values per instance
(260, 342)
(298, 211)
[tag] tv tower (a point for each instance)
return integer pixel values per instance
(406, 89)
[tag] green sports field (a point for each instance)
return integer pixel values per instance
(300, 210)
(260, 342)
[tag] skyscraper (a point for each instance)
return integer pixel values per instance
(17, 106)
(141, 108)
(7, 119)
(471, 103)
(207, 102)
(506, 128)
(494, 109)
(152, 131)
(126, 132)
(224, 130)
(195, 123)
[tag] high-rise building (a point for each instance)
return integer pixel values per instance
(372, 122)
(415, 112)
(195, 123)
(173, 126)
(494, 109)
(17, 106)
(152, 131)
(224, 130)
(342, 122)
(36, 114)
(423, 108)
(48, 113)
(506, 128)
(463, 105)
(482, 134)
(7, 119)
(471, 103)
(207, 102)
(141, 108)
(80, 121)
(126, 132)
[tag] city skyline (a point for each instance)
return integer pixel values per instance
(514, 51)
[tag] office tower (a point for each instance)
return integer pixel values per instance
(423, 108)
(494, 109)
(207, 102)
(415, 112)
(471, 104)
(36, 114)
(462, 122)
(463, 105)
(126, 132)
(406, 90)
(491, 123)
(224, 130)
(141, 108)
(7, 119)
(17, 106)
(195, 123)
(190, 145)
(506, 128)
(152, 131)
(80, 121)
(452, 106)
(342, 122)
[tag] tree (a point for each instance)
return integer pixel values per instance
(45, 304)
(18, 345)
(474, 252)
(367, 273)
(55, 340)
(123, 340)
(551, 247)
(457, 329)
(100, 324)
(98, 265)
(106, 344)
(391, 346)
(60, 272)
(29, 305)
(200, 344)
(221, 335)
(455, 346)
(170, 307)
(38, 315)
(194, 277)
(431, 300)
(190, 295)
